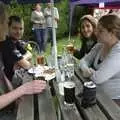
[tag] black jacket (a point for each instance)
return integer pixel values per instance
(87, 44)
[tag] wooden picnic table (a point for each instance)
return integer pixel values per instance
(104, 109)
(27, 107)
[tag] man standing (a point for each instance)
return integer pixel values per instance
(48, 16)
(13, 52)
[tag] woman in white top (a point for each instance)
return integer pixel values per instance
(102, 63)
(38, 21)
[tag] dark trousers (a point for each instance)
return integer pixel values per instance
(40, 38)
(49, 34)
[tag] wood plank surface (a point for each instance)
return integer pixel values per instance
(26, 106)
(90, 113)
(46, 106)
(68, 113)
(106, 105)
(25, 109)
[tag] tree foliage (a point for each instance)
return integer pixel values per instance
(24, 11)
(78, 12)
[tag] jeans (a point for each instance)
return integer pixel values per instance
(49, 34)
(40, 37)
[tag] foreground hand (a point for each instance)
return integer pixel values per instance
(33, 87)
(70, 48)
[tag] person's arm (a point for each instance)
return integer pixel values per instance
(33, 87)
(33, 18)
(21, 57)
(109, 68)
(81, 53)
(8, 98)
(24, 63)
(88, 59)
(56, 14)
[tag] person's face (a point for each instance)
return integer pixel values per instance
(49, 5)
(38, 7)
(103, 35)
(16, 30)
(86, 29)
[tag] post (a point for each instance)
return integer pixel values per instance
(55, 44)
(54, 36)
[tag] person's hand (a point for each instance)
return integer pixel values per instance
(70, 48)
(56, 19)
(33, 87)
(88, 72)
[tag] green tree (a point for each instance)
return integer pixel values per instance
(24, 11)
(63, 8)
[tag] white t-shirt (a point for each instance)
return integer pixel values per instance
(48, 16)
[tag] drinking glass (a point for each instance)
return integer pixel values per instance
(50, 61)
(70, 70)
(40, 60)
(67, 63)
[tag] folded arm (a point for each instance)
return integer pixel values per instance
(108, 69)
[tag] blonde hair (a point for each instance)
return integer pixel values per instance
(111, 22)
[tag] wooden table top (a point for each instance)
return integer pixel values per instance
(46, 109)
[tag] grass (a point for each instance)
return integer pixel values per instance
(63, 42)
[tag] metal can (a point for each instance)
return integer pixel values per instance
(89, 94)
